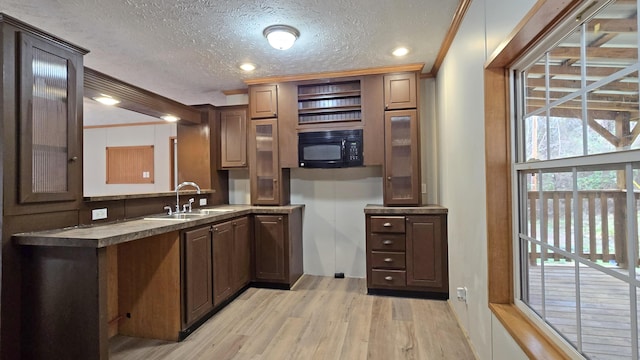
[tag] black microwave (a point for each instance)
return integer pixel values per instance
(330, 149)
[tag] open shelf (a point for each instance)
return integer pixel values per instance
(329, 103)
(331, 110)
(329, 95)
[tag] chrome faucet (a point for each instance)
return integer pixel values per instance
(186, 183)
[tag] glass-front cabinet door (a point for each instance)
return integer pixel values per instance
(264, 167)
(401, 170)
(50, 121)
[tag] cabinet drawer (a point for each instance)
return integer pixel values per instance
(387, 242)
(388, 278)
(387, 260)
(387, 224)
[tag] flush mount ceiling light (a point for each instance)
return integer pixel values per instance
(281, 37)
(170, 118)
(106, 100)
(401, 51)
(247, 67)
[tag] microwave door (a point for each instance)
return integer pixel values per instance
(321, 155)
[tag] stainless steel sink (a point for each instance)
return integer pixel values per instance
(214, 210)
(177, 217)
(197, 213)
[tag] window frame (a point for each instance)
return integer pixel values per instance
(544, 17)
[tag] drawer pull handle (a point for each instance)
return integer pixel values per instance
(388, 278)
(387, 242)
(388, 260)
(386, 224)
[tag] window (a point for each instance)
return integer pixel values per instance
(577, 181)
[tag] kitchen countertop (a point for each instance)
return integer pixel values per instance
(98, 236)
(372, 209)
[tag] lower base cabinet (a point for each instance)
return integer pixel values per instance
(231, 258)
(197, 273)
(216, 263)
(278, 248)
(407, 252)
(222, 258)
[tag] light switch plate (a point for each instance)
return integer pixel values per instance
(203, 202)
(424, 188)
(99, 214)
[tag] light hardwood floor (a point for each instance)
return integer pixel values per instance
(320, 318)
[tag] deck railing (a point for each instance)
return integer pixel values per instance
(601, 237)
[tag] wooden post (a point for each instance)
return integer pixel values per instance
(623, 132)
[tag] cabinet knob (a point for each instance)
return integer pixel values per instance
(386, 107)
(74, 158)
(389, 178)
(388, 278)
(280, 218)
(386, 224)
(387, 242)
(388, 260)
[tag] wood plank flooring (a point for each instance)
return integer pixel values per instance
(605, 306)
(320, 318)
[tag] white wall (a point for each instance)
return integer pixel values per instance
(461, 175)
(95, 163)
(334, 226)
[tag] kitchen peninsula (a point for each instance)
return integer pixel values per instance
(73, 290)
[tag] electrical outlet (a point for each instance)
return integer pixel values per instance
(461, 292)
(98, 214)
(203, 202)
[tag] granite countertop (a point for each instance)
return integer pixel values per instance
(97, 236)
(405, 210)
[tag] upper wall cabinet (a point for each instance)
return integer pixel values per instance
(42, 119)
(263, 101)
(233, 138)
(402, 158)
(400, 91)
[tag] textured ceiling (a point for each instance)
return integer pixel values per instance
(189, 50)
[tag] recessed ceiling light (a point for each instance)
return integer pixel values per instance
(401, 51)
(170, 118)
(247, 67)
(105, 99)
(281, 37)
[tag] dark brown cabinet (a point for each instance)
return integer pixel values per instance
(216, 265)
(241, 267)
(233, 138)
(402, 158)
(50, 146)
(222, 261)
(269, 183)
(278, 248)
(231, 258)
(400, 91)
(42, 120)
(426, 258)
(407, 253)
(263, 101)
(197, 274)
(270, 247)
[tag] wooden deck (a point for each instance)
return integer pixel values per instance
(320, 318)
(605, 308)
